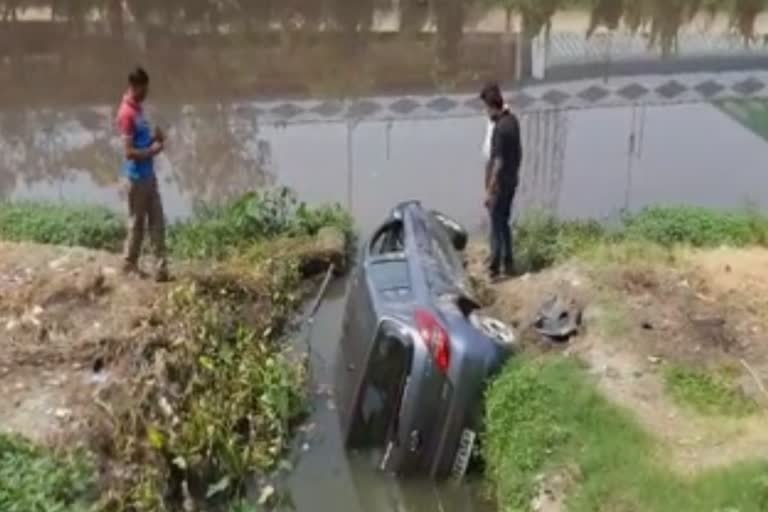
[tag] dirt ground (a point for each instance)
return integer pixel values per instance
(71, 326)
(64, 313)
(705, 309)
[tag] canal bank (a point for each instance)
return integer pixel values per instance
(657, 401)
(172, 394)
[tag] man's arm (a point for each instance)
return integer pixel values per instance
(518, 145)
(126, 125)
(488, 172)
(133, 153)
(495, 162)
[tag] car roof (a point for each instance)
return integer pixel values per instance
(441, 274)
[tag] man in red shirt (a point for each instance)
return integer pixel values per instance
(145, 206)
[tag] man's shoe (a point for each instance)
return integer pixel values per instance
(163, 276)
(132, 269)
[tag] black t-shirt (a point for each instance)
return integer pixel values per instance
(506, 146)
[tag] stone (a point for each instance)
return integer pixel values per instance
(63, 413)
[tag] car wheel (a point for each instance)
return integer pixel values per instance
(495, 329)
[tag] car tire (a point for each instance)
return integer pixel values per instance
(495, 329)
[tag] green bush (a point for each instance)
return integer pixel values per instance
(61, 224)
(212, 232)
(242, 393)
(215, 231)
(32, 480)
(541, 241)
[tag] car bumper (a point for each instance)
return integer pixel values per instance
(436, 411)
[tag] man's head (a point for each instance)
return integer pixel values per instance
(138, 83)
(493, 100)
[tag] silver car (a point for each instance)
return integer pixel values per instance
(416, 355)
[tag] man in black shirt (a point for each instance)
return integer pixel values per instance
(501, 177)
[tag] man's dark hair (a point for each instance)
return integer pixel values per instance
(491, 96)
(138, 77)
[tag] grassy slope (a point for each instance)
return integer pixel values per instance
(546, 414)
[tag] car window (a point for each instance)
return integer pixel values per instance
(439, 272)
(388, 240)
(443, 247)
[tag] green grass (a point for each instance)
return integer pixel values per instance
(698, 227)
(33, 480)
(542, 241)
(61, 224)
(545, 415)
(710, 393)
(213, 232)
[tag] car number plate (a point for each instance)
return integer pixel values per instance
(464, 453)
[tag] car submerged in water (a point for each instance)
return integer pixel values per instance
(416, 355)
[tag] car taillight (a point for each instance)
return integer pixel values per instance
(436, 337)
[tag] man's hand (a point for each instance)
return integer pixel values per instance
(159, 135)
(490, 198)
(156, 148)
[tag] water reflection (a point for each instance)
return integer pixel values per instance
(217, 151)
(207, 48)
(578, 163)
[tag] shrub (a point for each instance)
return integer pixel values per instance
(541, 240)
(215, 231)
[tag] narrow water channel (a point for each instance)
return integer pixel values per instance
(326, 477)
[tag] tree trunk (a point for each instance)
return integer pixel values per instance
(450, 30)
(116, 19)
